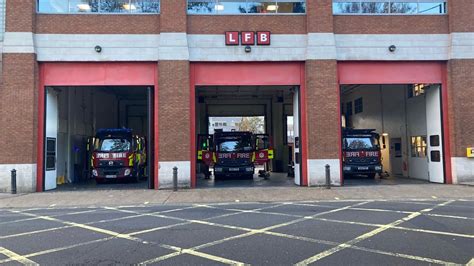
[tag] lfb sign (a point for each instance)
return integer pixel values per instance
(247, 38)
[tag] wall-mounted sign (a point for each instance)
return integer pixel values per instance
(247, 38)
(470, 152)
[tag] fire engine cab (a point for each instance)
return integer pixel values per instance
(234, 153)
(361, 152)
(117, 153)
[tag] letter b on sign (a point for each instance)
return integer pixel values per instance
(263, 38)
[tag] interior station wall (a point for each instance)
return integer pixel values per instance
(387, 109)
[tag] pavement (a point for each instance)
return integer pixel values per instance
(134, 194)
(317, 232)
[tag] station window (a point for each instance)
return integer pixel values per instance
(416, 90)
(240, 7)
(2, 19)
(418, 146)
(389, 7)
(358, 106)
(99, 6)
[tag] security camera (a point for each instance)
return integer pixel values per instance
(98, 48)
(392, 48)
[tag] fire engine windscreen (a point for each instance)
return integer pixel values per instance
(363, 143)
(242, 144)
(113, 145)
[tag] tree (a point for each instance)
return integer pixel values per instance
(253, 124)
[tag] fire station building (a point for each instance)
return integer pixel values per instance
(166, 68)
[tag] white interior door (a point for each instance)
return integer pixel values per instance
(51, 140)
(296, 133)
(434, 132)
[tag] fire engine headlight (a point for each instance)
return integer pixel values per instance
(249, 169)
(95, 173)
(218, 169)
(346, 168)
(127, 171)
(378, 168)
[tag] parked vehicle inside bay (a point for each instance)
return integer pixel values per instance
(117, 154)
(234, 154)
(361, 153)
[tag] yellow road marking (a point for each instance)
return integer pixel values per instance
(35, 232)
(14, 256)
(44, 252)
(370, 234)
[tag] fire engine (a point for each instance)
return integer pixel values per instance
(117, 154)
(361, 152)
(235, 153)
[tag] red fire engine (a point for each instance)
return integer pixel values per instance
(234, 153)
(117, 153)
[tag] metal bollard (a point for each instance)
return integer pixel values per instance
(13, 181)
(328, 177)
(175, 178)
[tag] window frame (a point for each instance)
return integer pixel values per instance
(389, 13)
(359, 102)
(96, 13)
(250, 14)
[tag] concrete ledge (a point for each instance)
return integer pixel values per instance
(25, 177)
(462, 169)
(165, 174)
(317, 172)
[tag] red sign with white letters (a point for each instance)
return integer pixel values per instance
(263, 38)
(232, 38)
(247, 38)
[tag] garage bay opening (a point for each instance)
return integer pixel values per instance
(392, 133)
(97, 135)
(246, 135)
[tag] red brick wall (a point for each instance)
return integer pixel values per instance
(173, 15)
(461, 15)
(18, 102)
(98, 24)
(20, 15)
(174, 111)
(322, 98)
(319, 16)
(461, 104)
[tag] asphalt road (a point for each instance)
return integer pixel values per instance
(366, 232)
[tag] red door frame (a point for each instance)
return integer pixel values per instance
(401, 73)
(248, 74)
(94, 74)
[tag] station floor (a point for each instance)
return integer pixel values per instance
(275, 180)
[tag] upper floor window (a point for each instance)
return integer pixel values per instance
(2, 19)
(394, 7)
(99, 6)
(238, 7)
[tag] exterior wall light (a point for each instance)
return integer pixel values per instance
(248, 49)
(392, 48)
(98, 48)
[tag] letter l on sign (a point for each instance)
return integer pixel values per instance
(232, 38)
